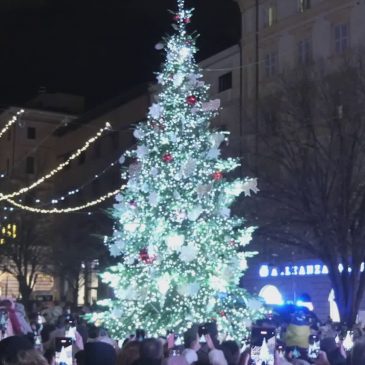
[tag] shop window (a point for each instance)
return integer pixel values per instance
(271, 295)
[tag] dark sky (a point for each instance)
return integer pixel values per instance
(96, 48)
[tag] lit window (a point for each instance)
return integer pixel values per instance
(341, 38)
(270, 16)
(225, 82)
(304, 5)
(304, 51)
(334, 313)
(271, 295)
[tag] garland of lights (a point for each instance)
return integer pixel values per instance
(11, 122)
(65, 210)
(59, 167)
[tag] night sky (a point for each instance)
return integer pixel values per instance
(96, 48)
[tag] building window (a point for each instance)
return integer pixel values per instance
(341, 33)
(271, 295)
(31, 133)
(304, 51)
(270, 16)
(82, 158)
(225, 82)
(271, 61)
(304, 5)
(29, 165)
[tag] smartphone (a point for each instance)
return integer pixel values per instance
(263, 344)
(71, 333)
(63, 350)
(314, 347)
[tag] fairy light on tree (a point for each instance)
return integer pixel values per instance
(181, 251)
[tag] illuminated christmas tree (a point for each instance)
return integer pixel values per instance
(181, 252)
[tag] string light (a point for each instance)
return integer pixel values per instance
(59, 167)
(55, 200)
(11, 122)
(65, 210)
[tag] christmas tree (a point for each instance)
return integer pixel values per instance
(181, 253)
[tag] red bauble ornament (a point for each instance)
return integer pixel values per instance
(145, 257)
(232, 243)
(191, 100)
(167, 157)
(176, 18)
(187, 20)
(222, 313)
(217, 176)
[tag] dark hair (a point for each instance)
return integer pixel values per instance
(358, 352)
(231, 352)
(151, 349)
(27, 357)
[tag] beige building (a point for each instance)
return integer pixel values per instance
(281, 35)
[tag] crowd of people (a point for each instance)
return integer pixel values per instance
(35, 340)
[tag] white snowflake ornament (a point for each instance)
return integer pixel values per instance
(178, 79)
(155, 111)
(138, 133)
(189, 253)
(250, 185)
(195, 213)
(175, 242)
(213, 154)
(142, 151)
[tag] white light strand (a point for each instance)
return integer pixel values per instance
(56, 200)
(65, 210)
(58, 168)
(11, 122)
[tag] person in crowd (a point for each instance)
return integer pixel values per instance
(27, 357)
(231, 352)
(332, 351)
(100, 334)
(358, 352)
(130, 353)
(50, 356)
(175, 360)
(210, 332)
(151, 352)
(97, 353)
(191, 344)
(11, 346)
(60, 331)
(53, 311)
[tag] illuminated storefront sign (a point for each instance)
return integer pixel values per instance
(298, 270)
